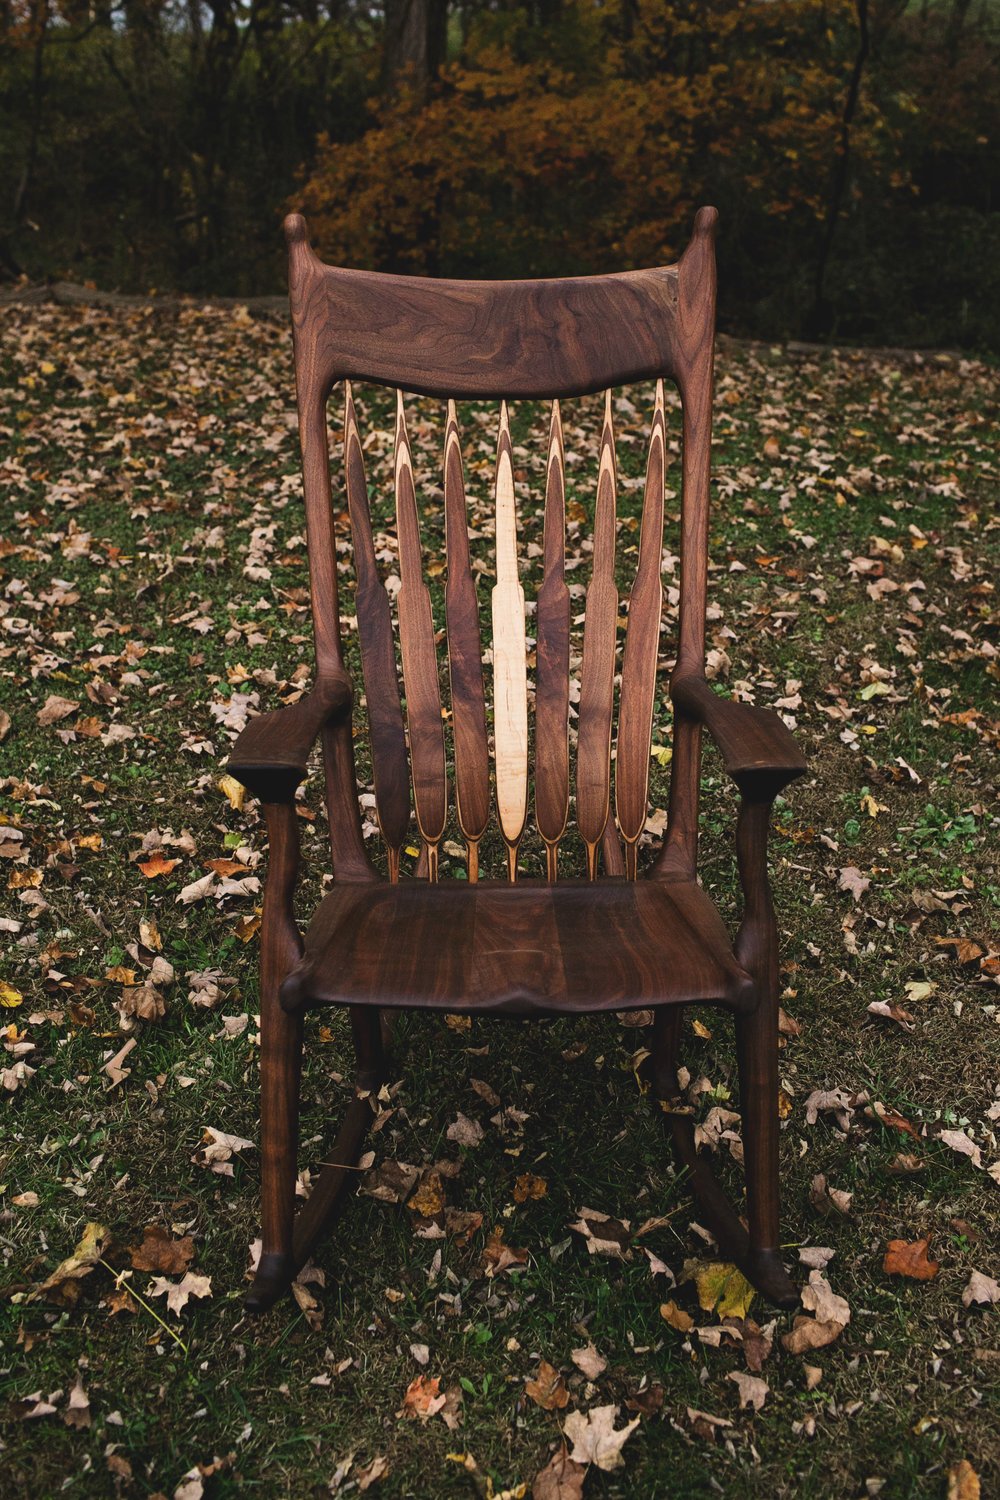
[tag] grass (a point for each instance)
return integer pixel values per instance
(154, 566)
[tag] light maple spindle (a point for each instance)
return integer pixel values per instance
(642, 644)
(510, 676)
(465, 657)
(597, 678)
(419, 656)
(552, 623)
(390, 766)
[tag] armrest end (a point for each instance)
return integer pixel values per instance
(758, 749)
(271, 755)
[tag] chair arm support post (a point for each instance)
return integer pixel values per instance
(756, 945)
(271, 755)
(281, 941)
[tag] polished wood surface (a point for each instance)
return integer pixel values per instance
(390, 766)
(465, 657)
(552, 629)
(510, 672)
(597, 676)
(642, 646)
(530, 949)
(620, 938)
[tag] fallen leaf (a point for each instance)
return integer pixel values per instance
(595, 1439)
(61, 1286)
(851, 879)
(676, 1317)
(981, 1289)
(158, 1252)
(77, 1413)
(422, 1398)
(465, 1131)
(963, 1482)
(178, 1293)
(498, 1257)
(827, 1200)
(588, 1361)
(958, 1141)
(723, 1289)
(603, 1234)
(528, 1186)
(372, 1473)
(819, 1297)
(158, 865)
(910, 1258)
(547, 1388)
(55, 708)
(198, 889)
(753, 1390)
(561, 1479)
(9, 996)
(807, 1333)
(234, 792)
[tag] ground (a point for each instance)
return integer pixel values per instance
(155, 594)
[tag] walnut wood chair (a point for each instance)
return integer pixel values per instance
(608, 940)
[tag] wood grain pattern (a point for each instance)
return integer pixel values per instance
(390, 765)
(534, 947)
(465, 657)
(597, 677)
(642, 644)
(472, 339)
(510, 673)
(419, 655)
(552, 626)
(528, 949)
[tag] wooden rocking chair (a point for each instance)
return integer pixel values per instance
(606, 941)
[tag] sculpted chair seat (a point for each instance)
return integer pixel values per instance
(614, 937)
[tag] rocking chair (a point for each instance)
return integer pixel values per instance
(613, 939)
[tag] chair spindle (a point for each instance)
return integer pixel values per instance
(510, 679)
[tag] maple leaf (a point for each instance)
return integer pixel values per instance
(910, 1258)
(723, 1289)
(547, 1388)
(158, 1252)
(422, 1398)
(55, 708)
(465, 1131)
(753, 1390)
(178, 1293)
(595, 1439)
(528, 1186)
(851, 879)
(561, 1479)
(588, 1361)
(981, 1289)
(157, 866)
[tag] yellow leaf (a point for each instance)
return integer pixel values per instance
(233, 791)
(700, 1029)
(724, 1290)
(963, 1482)
(9, 996)
(662, 754)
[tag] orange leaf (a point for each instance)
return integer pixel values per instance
(904, 1258)
(157, 865)
(547, 1388)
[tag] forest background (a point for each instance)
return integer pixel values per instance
(852, 147)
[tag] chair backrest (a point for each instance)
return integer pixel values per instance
(464, 340)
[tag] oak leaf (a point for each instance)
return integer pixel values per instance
(595, 1439)
(910, 1258)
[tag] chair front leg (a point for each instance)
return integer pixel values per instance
(757, 1049)
(280, 1063)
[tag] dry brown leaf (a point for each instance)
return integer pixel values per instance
(547, 1388)
(561, 1479)
(910, 1258)
(178, 1293)
(982, 1289)
(963, 1482)
(498, 1257)
(603, 1234)
(61, 1285)
(589, 1362)
(753, 1390)
(55, 708)
(423, 1398)
(77, 1413)
(827, 1200)
(158, 1252)
(595, 1439)
(807, 1334)
(676, 1317)
(529, 1186)
(465, 1131)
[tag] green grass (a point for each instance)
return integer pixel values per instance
(139, 452)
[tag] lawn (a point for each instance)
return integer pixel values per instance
(155, 594)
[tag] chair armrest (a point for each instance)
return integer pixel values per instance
(271, 755)
(757, 748)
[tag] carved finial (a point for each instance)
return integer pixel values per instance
(706, 221)
(296, 230)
